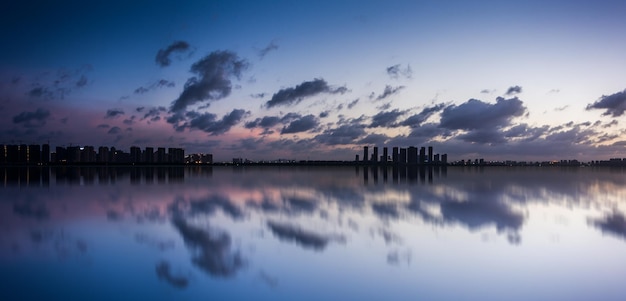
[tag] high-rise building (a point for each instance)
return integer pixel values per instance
(365, 153)
(412, 155)
(394, 154)
(160, 155)
(385, 155)
(148, 155)
(402, 157)
(375, 154)
(422, 158)
(45, 153)
(34, 154)
(88, 154)
(103, 154)
(430, 154)
(135, 154)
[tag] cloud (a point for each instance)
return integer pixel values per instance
(265, 122)
(615, 104)
(294, 95)
(386, 119)
(270, 47)
(353, 103)
(113, 113)
(475, 114)
(114, 130)
(514, 90)
(303, 124)
(419, 118)
(162, 83)
(163, 55)
(81, 82)
(154, 114)
(214, 72)
(208, 122)
(389, 91)
(32, 119)
(56, 85)
(483, 136)
(396, 71)
(344, 134)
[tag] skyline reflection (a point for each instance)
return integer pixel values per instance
(194, 224)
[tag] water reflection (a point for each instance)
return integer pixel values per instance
(267, 222)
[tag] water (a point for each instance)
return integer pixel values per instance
(312, 233)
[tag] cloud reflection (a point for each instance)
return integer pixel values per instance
(613, 223)
(165, 273)
(304, 238)
(212, 251)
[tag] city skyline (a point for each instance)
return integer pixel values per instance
(530, 81)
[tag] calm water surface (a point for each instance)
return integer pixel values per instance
(311, 233)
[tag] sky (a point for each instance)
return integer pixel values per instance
(318, 80)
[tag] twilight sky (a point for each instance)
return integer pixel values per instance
(528, 80)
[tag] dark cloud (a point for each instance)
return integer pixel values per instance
(214, 72)
(154, 114)
(81, 82)
(486, 91)
(164, 272)
(614, 104)
(514, 90)
(211, 249)
(303, 238)
(114, 113)
(270, 47)
(483, 136)
(163, 55)
(344, 134)
(396, 71)
(419, 118)
(303, 124)
(353, 103)
(386, 119)
(374, 139)
(56, 85)
(162, 83)
(324, 114)
(294, 95)
(32, 119)
(389, 91)
(114, 130)
(265, 122)
(475, 114)
(208, 122)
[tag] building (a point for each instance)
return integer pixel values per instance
(412, 155)
(365, 153)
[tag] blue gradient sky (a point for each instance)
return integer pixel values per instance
(534, 80)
